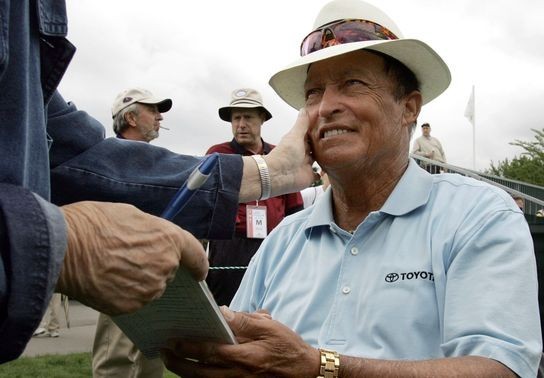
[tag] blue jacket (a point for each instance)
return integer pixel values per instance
(51, 151)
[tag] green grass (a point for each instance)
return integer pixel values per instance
(57, 366)
(76, 365)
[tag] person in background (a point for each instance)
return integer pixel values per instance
(429, 147)
(519, 201)
(65, 190)
(393, 272)
(50, 324)
(255, 220)
(136, 115)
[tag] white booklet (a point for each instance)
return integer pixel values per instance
(187, 310)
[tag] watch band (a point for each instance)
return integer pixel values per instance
(264, 174)
(330, 364)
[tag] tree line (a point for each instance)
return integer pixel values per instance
(528, 166)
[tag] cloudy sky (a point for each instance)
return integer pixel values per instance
(197, 52)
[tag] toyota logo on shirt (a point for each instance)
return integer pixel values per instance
(407, 276)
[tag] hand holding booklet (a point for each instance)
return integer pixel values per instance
(186, 310)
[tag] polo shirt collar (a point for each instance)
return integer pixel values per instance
(240, 150)
(412, 191)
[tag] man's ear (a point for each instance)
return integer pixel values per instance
(130, 119)
(412, 107)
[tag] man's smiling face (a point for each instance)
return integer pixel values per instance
(354, 115)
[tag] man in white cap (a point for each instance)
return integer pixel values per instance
(137, 114)
(246, 114)
(393, 272)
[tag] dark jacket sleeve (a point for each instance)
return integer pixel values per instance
(32, 245)
(85, 166)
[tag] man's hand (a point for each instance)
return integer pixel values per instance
(267, 349)
(119, 258)
(293, 157)
(289, 164)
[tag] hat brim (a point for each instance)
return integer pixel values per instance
(162, 105)
(428, 67)
(225, 112)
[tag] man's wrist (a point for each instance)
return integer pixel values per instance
(264, 174)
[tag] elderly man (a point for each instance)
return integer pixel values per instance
(246, 115)
(137, 114)
(393, 272)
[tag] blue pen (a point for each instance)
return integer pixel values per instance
(197, 178)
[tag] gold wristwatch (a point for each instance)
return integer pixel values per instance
(330, 364)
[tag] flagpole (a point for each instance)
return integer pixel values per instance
(473, 130)
(470, 113)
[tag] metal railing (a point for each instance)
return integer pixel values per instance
(533, 195)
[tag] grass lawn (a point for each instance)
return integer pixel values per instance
(76, 365)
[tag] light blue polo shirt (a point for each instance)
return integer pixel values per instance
(445, 268)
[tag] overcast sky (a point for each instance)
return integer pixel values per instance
(197, 52)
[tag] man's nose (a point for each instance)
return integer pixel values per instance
(329, 102)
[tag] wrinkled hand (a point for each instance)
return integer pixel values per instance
(267, 349)
(290, 163)
(119, 258)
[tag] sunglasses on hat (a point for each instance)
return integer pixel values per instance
(344, 31)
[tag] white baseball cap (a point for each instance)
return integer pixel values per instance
(143, 96)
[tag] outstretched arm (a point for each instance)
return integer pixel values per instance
(85, 166)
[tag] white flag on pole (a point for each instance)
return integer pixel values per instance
(469, 110)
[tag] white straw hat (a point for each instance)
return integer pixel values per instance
(430, 70)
